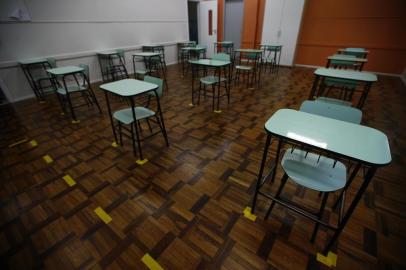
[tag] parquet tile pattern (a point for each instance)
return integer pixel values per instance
(184, 207)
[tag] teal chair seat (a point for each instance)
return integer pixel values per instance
(125, 116)
(141, 71)
(241, 67)
(211, 80)
(331, 110)
(314, 171)
(71, 89)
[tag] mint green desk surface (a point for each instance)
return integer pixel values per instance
(33, 61)
(197, 48)
(354, 141)
(209, 62)
(346, 74)
(248, 50)
(64, 70)
(128, 87)
(344, 57)
(146, 54)
(355, 50)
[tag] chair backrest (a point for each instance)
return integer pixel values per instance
(85, 69)
(334, 111)
(121, 54)
(52, 62)
(221, 57)
(157, 81)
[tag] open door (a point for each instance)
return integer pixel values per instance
(207, 18)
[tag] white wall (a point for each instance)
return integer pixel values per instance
(73, 30)
(281, 26)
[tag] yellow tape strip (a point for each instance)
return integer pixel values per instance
(217, 111)
(75, 121)
(62, 113)
(48, 159)
(102, 215)
(114, 144)
(42, 102)
(69, 180)
(18, 142)
(191, 105)
(247, 213)
(329, 260)
(33, 143)
(142, 162)
(150, 262)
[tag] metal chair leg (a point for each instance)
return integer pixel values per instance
(278, 193)
(319, 216)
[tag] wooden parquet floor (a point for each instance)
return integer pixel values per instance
(184, 207)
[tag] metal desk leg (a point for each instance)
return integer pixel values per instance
(368, 177)
(110, 116)
(314, 87)
(136, 128)
(261, 171)
(364, 95)
(69, 100)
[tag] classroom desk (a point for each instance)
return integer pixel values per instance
(108, 67)
(347, 60)
(354, 51)
(36, 82)
(131, 88)
(149, 62)
(63, 73)
(351, 75)
(156, 48)
(224, 47)
(367, 147)
(245, 54)
(217, 65)
(181, 45)
(188, 53)
(275, 59)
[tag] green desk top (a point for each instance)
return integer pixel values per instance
(197, 48)
(354, 141)
(146, 54)
(33, 61)
(356, 50)
(128, 87)
(107, 53)
(209, 62)
(271, 47)
(345, 57)
(64, 70)
(224, 42)
(346, 74)
(248, 50)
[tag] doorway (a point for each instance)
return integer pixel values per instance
(233, 19)
(192, 7)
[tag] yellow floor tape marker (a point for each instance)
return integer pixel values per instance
(102, 215)
(62, 113)
(191, 105)
(247, 213)
(142, 162)
(33, 143)
(75, 121)
(150, 262)
(217, 111)
(114, 144)
(42, 102)
(48, 159)
(18, 142)
(329, 260)
(69, 180)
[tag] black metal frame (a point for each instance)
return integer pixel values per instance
(109, 68)
(36, 85)
(319, 86)
(343, 217)
(87, 94)
(159, 49)
(136, 124)
(227, 83)
(252, 76)
(277, 52)
(152, 65)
